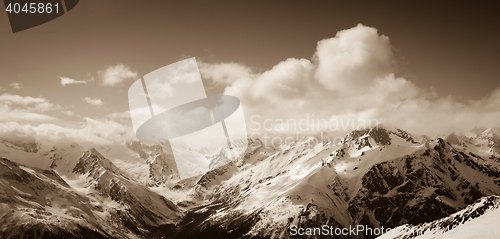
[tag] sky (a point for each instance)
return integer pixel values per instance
(425, 66)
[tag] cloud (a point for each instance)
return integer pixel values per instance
(115, 75)
(68, 112)
(111, 129)
(25, 108)
(351, 77)
(16, 86)
(50, 133)
(15, 132)
(353, 59)
(23, 116)
(30, 103)
(106, 128)
(93, 101)
(160, 89)
(68, 81)
(7, 98)
(225, 73)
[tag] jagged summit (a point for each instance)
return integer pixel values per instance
(93, 161)
(382, 135)
(484, 142)
(378, 134)
(160, 161)
(145, 208)
(38, 203)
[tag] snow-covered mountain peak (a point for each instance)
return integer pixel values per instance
(490, 134)
(220, 158)
(474, 132)
(376, 177)
(484, 142)
(380, 135)
(94, 162)
(38, 203)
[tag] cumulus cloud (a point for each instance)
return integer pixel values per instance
(25, 108)
(106, 128)
(15, 132)
(27, 102)
(353, 59)
(68, 112)
(93, 101)
(16, 86)
(22, 116)
(115, 75)
(109, 130)
(351, 77)
(49, 133)
(160, 89)
(225, 73)
(68, 81)
(10, 99)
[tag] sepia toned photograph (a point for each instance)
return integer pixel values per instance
(249, 119)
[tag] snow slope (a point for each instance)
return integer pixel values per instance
(375, 177)
(100, 201)
(478, 220)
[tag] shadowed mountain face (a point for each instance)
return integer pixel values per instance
(160, 159)
(143, 210)
(375, 177)
(423, 187)
(40, 204)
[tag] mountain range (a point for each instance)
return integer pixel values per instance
(378, 177)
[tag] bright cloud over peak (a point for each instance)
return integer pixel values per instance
(351, 74)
